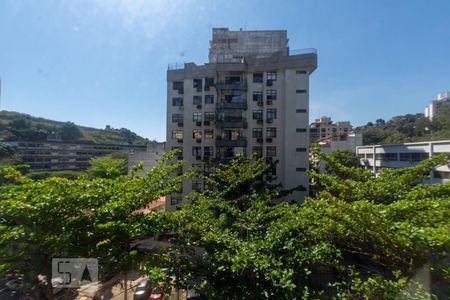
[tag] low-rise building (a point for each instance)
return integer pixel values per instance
(377, 157)
(58, 156)
(432, 109)
(150, 156)
(324, 128)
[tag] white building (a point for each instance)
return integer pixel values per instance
(377, 157)
(150, 156)
(252, 97)
(434, 106)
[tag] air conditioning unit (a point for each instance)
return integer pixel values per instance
(259, 121)
(180, 124)
(259, 140)
(199, 106)
(181, 107)
(206, 88)
(199, 123)
(206, 123)
(260, 103)
(198, 157)
(180, 141)
(269, 120)
(269, 140)
(198, 140)
(269, 102)
(181, 91)
(269, 82)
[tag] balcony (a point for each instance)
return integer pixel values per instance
(232, 105)
(232, 85)
(231, 123)
(242, 142)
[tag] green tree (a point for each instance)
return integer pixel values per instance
(345, 157)
(70, 132)
(57, 217)
(360, 237)
(107, 167)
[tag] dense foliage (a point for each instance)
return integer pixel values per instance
(57, 217)
(408, 128)
(16, 126)
(359, 237)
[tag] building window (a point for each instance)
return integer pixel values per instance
(209, 134)
(197, 117)
(198, 84)
(209, 116)
(207, 169)
(301, 130)
(257, 77)
(196, 185)
(209, 99)
(177, 118)
(257, 133)
(300, 149)
(257, 96)
(387, 156)
(300, 110)
(196, 151)
(175, 199)
(177, 134)
(208, 151)
(370, 155)
(177, 85)
(209, 82)
(177, 101)
(197, 134)
(271, 95)
(271, 151)
(271, 113)
(300, 169)
(271, 132)
(257, 151)
(300, 91)
(441, 174)
(197, 100)
(272, 76)
(257, 114)
(300, 72)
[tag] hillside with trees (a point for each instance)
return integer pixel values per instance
(16, 126)
(408, 128)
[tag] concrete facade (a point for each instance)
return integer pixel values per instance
(150, 156)
(323, 129)
(434, 106)
(255, 104)
(58, 156)
(377, 157)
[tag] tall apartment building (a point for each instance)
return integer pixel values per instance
(252, 97)
(434, 106)
(324, 128)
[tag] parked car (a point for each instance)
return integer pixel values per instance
(143, 290)
(157, 292)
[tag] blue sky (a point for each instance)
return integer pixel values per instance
(101, 62)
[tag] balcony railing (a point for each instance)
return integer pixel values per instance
(237, 85)
(232, 105)
(231, 123)
(242, 142)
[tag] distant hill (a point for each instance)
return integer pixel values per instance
(16, 126)
(408, 128)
